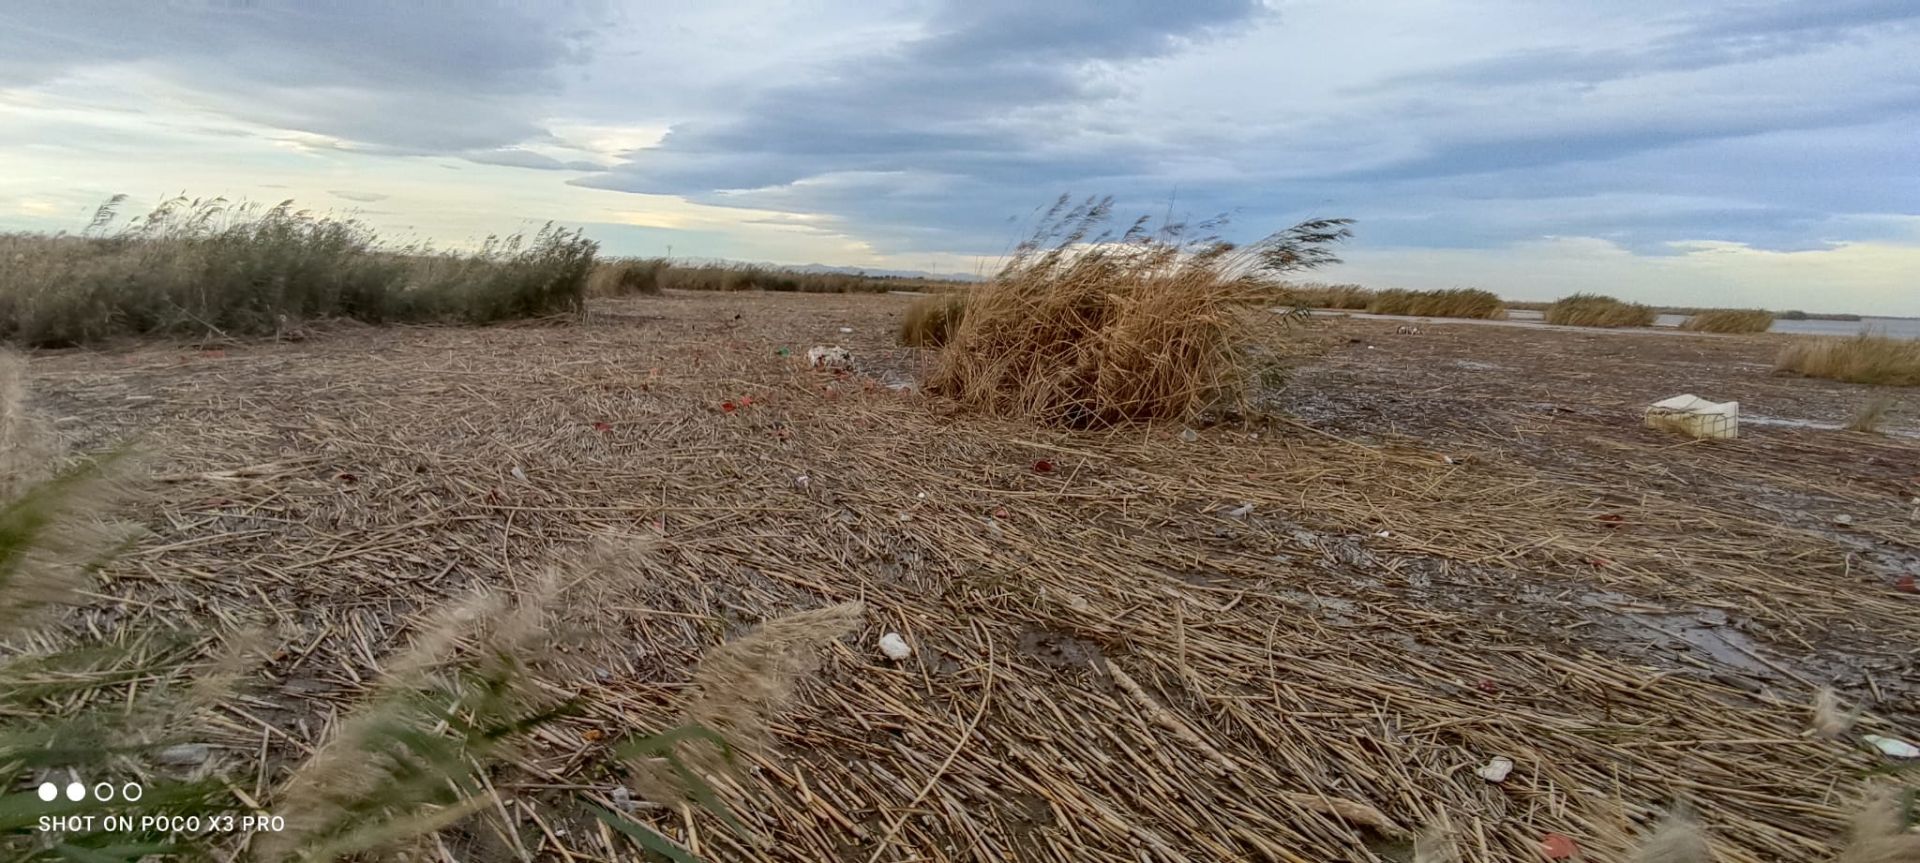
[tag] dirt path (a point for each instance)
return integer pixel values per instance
(1289, 642)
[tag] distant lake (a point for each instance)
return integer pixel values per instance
(1905, 328)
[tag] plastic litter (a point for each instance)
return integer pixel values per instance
(802, 482)
(829, 357)
(1241, 511)
(895, 647)
(623, 799)
(1496, 770)
(1692, 415)
(1892, 747)
(845, 330)
(1558, 846)
(1189, 435)
(518, 474)
(183, 755)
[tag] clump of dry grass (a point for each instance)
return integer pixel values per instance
(1729, 321)
(930, 321)
(1867, 358)
(1594, 310)
(626, 276)
(1453, 303)
(1087, 328)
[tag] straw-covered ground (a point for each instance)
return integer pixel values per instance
(1292, 641)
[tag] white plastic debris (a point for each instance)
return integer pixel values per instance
(518, 474)
(184, 754)
(1692, 415)
(802, 482)
(1496, 769)
(1843, 520)
(1241, 511)
(1890, 746)
(895, 647)
(1189, 435)
(623, 799)
(1384, 534)
(829, 357)
(844, 330)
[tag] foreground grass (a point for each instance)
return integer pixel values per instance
(1454, 303)
(1594, 310)
(1729, 321)
(208, 268)
(1867, 358)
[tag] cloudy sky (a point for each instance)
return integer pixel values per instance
(1712, 152)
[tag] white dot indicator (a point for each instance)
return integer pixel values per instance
(76, 792)
(48, 791)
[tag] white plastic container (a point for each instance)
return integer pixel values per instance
(1696, 417)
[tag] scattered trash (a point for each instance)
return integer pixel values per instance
(1892, 747)
(845, 330)
(1384, 534)
(802, 482)
(1447, 459)
(1496, 770)
(829, 357)
(1558, 846)
(1487, 686)
(1241, 511)
(1189, 435)
(518, 474)
(906, 516)
(1905, 584)
(895, 647)
(1042, 466)
(183, 755)
(1611, 519)
(1694, 416)
(783, 352)
(602, 427)
(603, 674)
(623, 799)
(1843, 520)
(1406, 330)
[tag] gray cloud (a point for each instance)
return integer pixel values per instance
(411, 77)
(362, 197)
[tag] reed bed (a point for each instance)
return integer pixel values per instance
(1451, 303)
(1594, 310)
(1107, 664)
(750, 277)
(1866, 358)
(1729, 321)
(216, 270)
(1319, 295)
